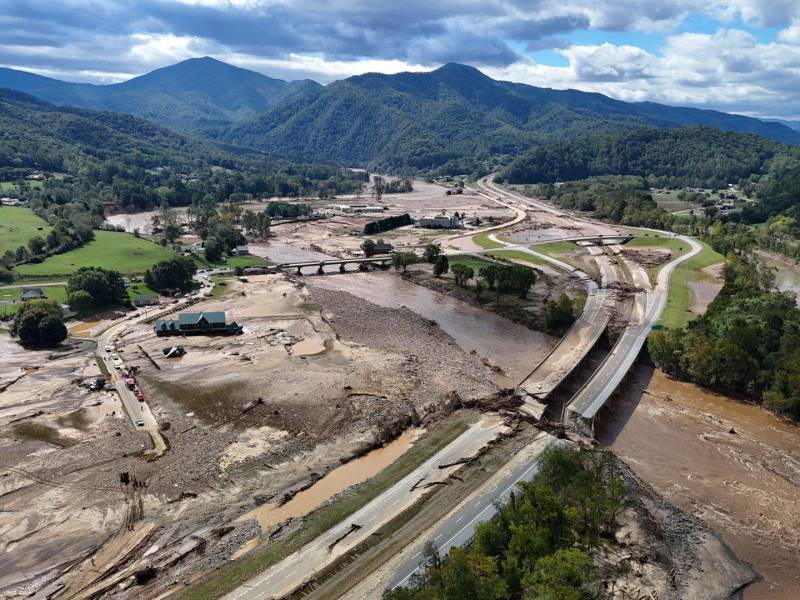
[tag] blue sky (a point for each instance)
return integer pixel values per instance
(735, 55)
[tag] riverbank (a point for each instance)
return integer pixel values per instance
(733, 465)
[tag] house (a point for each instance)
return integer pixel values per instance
(726, 204)
(382, 247)
(146, 301)
(32, 293)
(202, 323)
(441, 222)
(241, 251)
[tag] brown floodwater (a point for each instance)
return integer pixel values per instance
(351, 473)
(787, 272)
(511, 346)
(734, 465)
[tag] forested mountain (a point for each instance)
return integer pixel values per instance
(699, 156)
(38, 135)
(403, 122)
(790, 124)
(422, 120)
(200, 94)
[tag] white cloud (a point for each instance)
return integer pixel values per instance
(104, 40)
(729, 70)
(299, 66)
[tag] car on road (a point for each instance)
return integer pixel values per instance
(114, 356)
(140, 423)
(109, 349)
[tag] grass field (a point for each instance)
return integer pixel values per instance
(671, 203)
(221, 285)
(675, 314)
(555, 249)
(676, 247)
(233, 574)
(18, 225)
(482, 240)
(470, 261)
(54, 292)
(138, 289)
(111, 250)
(518, 255)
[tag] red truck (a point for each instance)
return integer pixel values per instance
(139, 395)
(129, 382)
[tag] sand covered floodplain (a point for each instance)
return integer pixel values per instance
(342, 234)
(247, 419)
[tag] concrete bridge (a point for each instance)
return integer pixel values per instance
(383, 261)
(590, 240)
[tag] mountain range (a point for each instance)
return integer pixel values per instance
(35, 134)
(199, 95)
(404, 122)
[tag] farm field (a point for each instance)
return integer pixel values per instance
(111, 250)
(18, 225)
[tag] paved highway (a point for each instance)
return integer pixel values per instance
(594, 394)
(459, 526)
(478, 506)
(293, 571)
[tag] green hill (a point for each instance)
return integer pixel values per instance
(38, 135)
(698, 156)
(422, 120)
(406, 121)
(199, 94)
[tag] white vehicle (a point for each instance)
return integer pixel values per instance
(115, 356)
(140, 423)
(109, 349)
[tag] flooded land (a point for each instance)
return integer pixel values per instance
(733, 465)
(319, 376)
(787, 272)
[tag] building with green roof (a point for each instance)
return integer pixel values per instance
(197, 323)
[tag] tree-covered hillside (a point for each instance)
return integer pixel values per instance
(697, 156)
(419, 121)
(200, 94)
(38, 135)
(407, 122)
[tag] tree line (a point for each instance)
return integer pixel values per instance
(746, 345)
(540, 543)
(387, 223)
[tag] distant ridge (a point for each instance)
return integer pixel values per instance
(198, 94)
(405, 121)
(423, 120)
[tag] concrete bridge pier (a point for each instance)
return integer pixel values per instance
(320, 270)
(363, 267)
(341, 268)
(300, 271)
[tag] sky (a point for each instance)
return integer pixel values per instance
(738, 56)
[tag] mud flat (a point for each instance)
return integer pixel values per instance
(512, 347)
(733, 465)
(250, 421)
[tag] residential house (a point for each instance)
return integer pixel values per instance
(32, 293)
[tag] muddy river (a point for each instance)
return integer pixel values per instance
(351, 473)
(508, 345)
(733, 465)
(787, 272)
